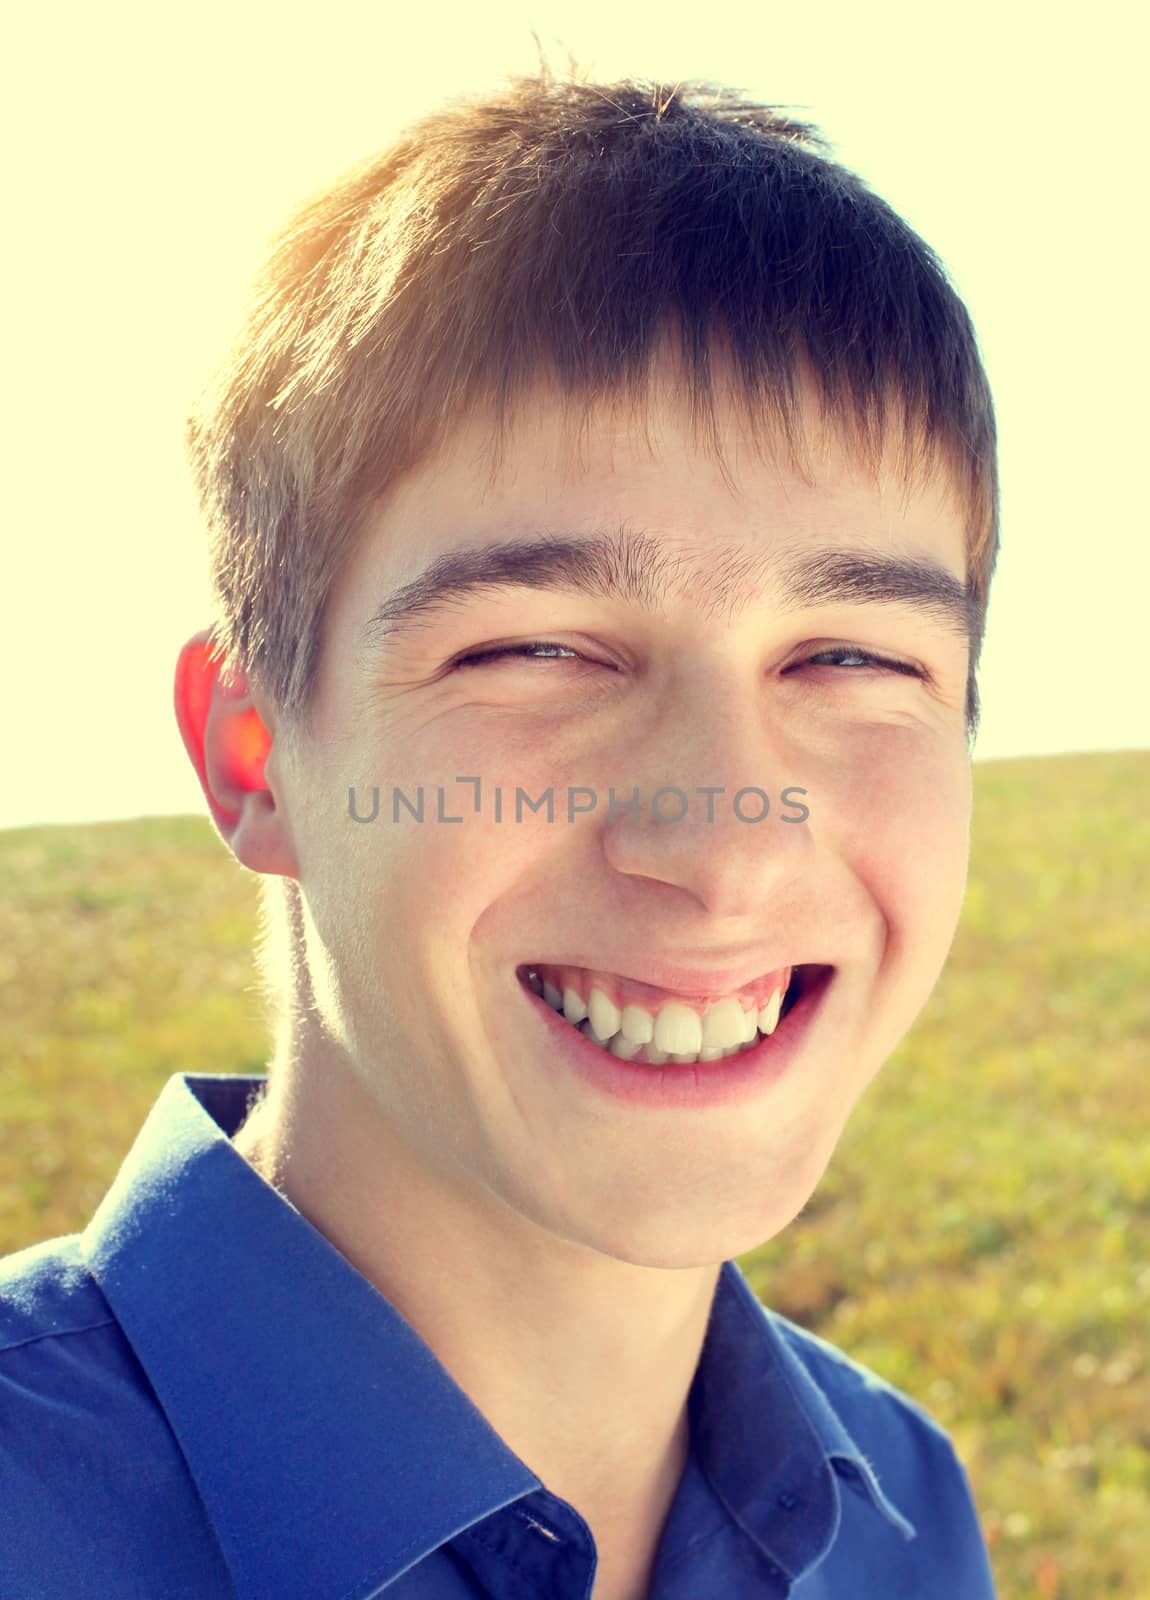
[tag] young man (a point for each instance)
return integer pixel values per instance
(445, 1304)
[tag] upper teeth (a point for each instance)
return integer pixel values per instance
(674, 1028)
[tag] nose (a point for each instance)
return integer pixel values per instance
(722, 829)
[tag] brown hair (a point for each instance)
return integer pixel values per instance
(556, 230)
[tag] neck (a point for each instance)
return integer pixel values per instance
(582, 1363)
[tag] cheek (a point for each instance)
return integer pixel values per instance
(419, 866)
(900, 809)
(913, 859)
(929, 839)
(891, 810)
(413, 889)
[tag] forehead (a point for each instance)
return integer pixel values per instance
(562, 466)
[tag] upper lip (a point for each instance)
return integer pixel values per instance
(678, 978)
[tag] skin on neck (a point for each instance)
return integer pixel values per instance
(601, 1417)
(558, 1253)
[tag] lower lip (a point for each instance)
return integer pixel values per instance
(731, 1080)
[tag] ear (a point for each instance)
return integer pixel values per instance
(230, 747)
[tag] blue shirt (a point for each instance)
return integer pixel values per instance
(201, 1398)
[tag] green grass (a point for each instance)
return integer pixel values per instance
(981, 1237)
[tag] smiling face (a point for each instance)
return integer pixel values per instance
(415, 931)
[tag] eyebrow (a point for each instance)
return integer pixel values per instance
(639, 570)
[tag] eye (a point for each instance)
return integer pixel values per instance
(478, 658)
(869, 660)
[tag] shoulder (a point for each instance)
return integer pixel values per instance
(909, 1454)
(95, 1494)
(868, 1405)
(56, 1329)
(46, 1290)
(71, 1389)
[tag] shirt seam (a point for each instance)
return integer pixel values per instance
(58, 1333)
(697, 1544)
(764, 1549)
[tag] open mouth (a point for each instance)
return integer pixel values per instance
(642, 1038)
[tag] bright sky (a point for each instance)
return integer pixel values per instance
(152, 152)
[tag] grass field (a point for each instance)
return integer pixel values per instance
(981, 1238)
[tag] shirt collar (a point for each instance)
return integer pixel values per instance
(765, 1431)
(304, 1403)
